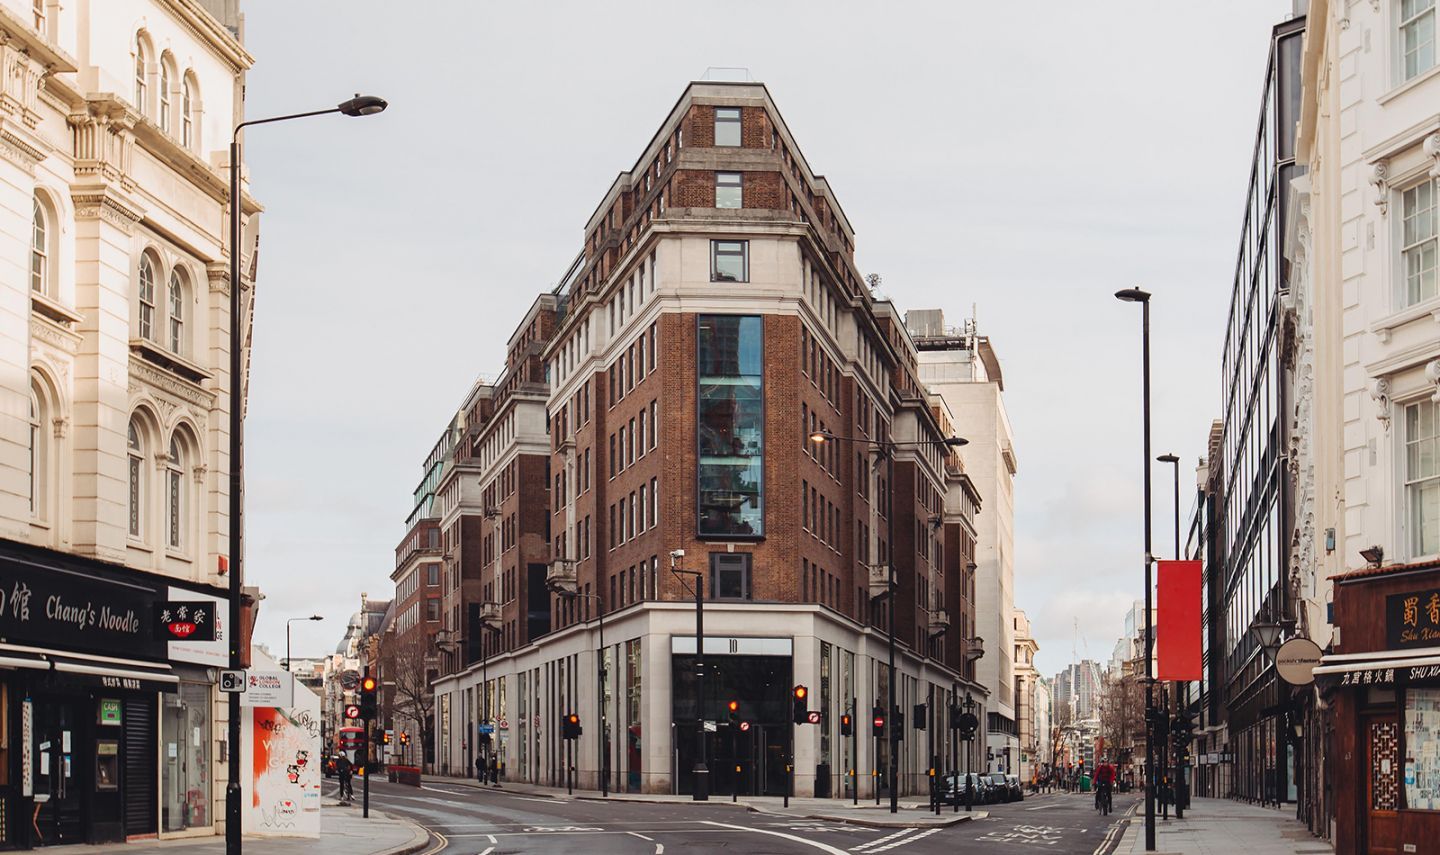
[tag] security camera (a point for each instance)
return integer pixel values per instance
(677, 554)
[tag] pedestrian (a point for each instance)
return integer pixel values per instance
(480, 768)
(346, 770)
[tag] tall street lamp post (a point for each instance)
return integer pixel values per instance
(888, 448)
(1178, 693)
(360, 105)
(1135, 295)
(701, 789)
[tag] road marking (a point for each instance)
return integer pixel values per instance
(641, 836)
(879, 840)
(821, 846)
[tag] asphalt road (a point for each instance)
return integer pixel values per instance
(470, 821)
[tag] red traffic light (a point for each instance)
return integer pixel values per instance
(352, 711)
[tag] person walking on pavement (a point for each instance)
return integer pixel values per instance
(345, 770)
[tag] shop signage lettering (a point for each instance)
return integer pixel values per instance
(1413, 619)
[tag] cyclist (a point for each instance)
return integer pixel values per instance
(1104, 785)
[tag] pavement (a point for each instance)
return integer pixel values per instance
(342, 832)
(1225, 827)
(912, 813)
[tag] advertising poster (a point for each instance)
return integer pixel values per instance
(282, 759)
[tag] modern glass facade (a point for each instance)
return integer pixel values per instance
(1251, 483)
(731, 426)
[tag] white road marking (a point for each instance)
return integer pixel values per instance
(641, 836)
(821, 846)
(880, 840)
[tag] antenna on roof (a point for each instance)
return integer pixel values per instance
(728, 74)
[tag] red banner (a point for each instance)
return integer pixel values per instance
(1177, 620)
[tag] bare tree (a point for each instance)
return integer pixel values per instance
(409, 662)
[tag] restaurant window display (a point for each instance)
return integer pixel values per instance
(185, 758)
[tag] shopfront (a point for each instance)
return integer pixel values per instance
(1383, 686)
(102, 737)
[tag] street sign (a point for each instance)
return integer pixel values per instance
(232, 681)
(710, 727)
(486, 728)
(813, 717)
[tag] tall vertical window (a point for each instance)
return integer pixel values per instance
(731, 432)
(1418, 241)
(137, 470)
(727, 126)
(177, 313)
(39, 241)
(1422, 476)
(164, 96)
(187, 127)
(727, 190)
(147, 298)
(175, 495)
(728, 261)
(140, 88)
(1417, 36)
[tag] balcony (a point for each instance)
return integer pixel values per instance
(560, 576)
(939, 622)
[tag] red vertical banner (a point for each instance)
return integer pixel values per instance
(1177, 620)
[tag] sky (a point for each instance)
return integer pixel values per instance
(1023, 159)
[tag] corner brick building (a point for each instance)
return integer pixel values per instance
(714, 322)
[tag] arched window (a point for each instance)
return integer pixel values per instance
(147, 298)
(187, 113)
(39, 258)
(140, 62)
(175, 494)
(177, 313)
(165, 94)
(39, 455)
(137, 474)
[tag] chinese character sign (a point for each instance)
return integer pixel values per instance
(1413, 619)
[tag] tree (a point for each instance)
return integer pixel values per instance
(408, 664)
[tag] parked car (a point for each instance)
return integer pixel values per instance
(1017, 791)
(952, 790)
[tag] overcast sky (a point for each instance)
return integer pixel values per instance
(1025, 158)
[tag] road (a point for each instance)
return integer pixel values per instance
(471, 821)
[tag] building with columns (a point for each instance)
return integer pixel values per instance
(719, 380)
(114, 433)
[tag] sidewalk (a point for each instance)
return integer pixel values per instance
(912, 813)
(342, 832)
(1224, 827)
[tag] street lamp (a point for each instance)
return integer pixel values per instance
(1135, 295)
(888, 448)
(360, 105)
(700, 792)
(287, 637)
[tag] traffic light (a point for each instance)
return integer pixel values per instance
(847, 725)
(368, 707)
(734, 707)
(877, 723)
(919, 716)
(571, 728)
(801, 704)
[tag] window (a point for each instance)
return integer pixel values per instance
(1422, 476)
(187, 116)
(1418, 241)
(137, 471)
(727, 126)
(140, 62)
(727, 190)
(164, 96)
(1417, 37)
(147, 298)
(175, 495)
(728, 261)
(731, 434)
(730, 575)
(177, 313)
(39, 257)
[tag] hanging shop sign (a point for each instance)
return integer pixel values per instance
(1413, 619)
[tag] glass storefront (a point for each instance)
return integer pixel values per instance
(185, 758)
